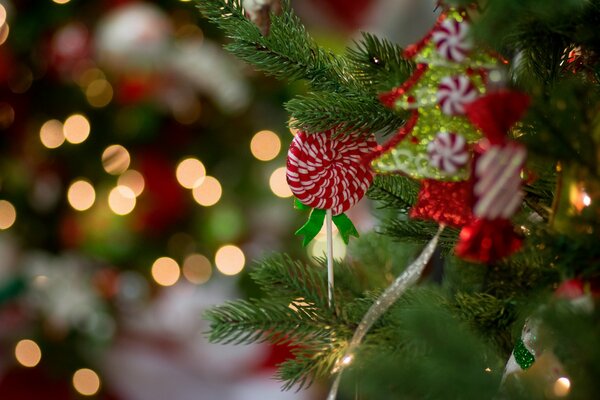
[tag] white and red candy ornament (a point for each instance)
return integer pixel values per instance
(327, 172)
(448, 152)
(454, 93)
(452, 41)
(497, 188)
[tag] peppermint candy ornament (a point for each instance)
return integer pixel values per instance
(448, 152)
(328, 173)
(451, 40)
(454, 93)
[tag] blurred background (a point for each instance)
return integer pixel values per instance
(142, 169)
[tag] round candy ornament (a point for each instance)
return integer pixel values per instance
(326, 171)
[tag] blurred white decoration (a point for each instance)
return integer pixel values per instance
(61, 290)
(46, 192)
(135, 35)
(163, 353)
(139, 37)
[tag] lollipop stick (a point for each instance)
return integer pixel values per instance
(329, 228)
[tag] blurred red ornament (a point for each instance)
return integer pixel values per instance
(70, 47)
(444, 202)
(488, 240)
(350, 13)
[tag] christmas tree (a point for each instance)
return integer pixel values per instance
(514, 312)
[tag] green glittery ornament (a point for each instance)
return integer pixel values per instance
(523, 356)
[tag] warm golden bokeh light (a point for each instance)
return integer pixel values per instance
(133, 180)
(115, 159)
(208, 193)
(86, 382)
(8, 214)
(165, 271)
(230, 260)
(121, 200)
(76, 129)
(2, 15)
(562, 387)
(99, 93)
(61, 1)
(278, 183)
(4, 31)
(81, 195)
(190, 173)
(265, 145)
(197, 269)
(28, 353)
(51, 134)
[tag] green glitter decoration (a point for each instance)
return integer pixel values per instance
(523, 356)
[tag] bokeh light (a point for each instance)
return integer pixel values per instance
(99, 93)
(7, 115)
(61, 1)
(278, 183)
(28, 353)
(2, 15)
(121, 200)
(165, 271)
(197, 269)
(562, 387)
(115, 159)
(133, 180)
(86, 382)
(76, 129)
(51, 134)
(81, 195)
(8, 214)
(230, 260)
(265, 145)
(190, 173)
(4, 31)
(208, 193)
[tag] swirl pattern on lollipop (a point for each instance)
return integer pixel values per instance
(328, 173)
(451, 40)
(454, 93)
(448, 152)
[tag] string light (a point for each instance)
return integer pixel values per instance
(586, 199)
(81, 195)
(208, 193)
(562, 387)
(99, 93)
(165, 271)
(230, 260)
(197, 269)
(51, 134)
(86, 382)
(76, 129)
(278, 183)
(121, 200)
(190, 173)
(115, 159)
(28, 353)
(265, 145)
(133, 180)
(8, 214)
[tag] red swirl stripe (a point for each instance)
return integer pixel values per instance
(328, 173)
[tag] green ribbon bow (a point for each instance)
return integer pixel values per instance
(315, 221)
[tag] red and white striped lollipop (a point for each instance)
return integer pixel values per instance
(451, 40)
(448, 152)
(497, 187)
(454, 93)
(328, 173)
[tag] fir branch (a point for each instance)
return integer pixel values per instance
(394, 191)
(416, 231)
(288, 52)
(282, 277)
(378, 63)
(317, 112)
(250, 321)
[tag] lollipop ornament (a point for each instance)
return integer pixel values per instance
(326, 173)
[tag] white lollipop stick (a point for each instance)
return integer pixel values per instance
(329, 229)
